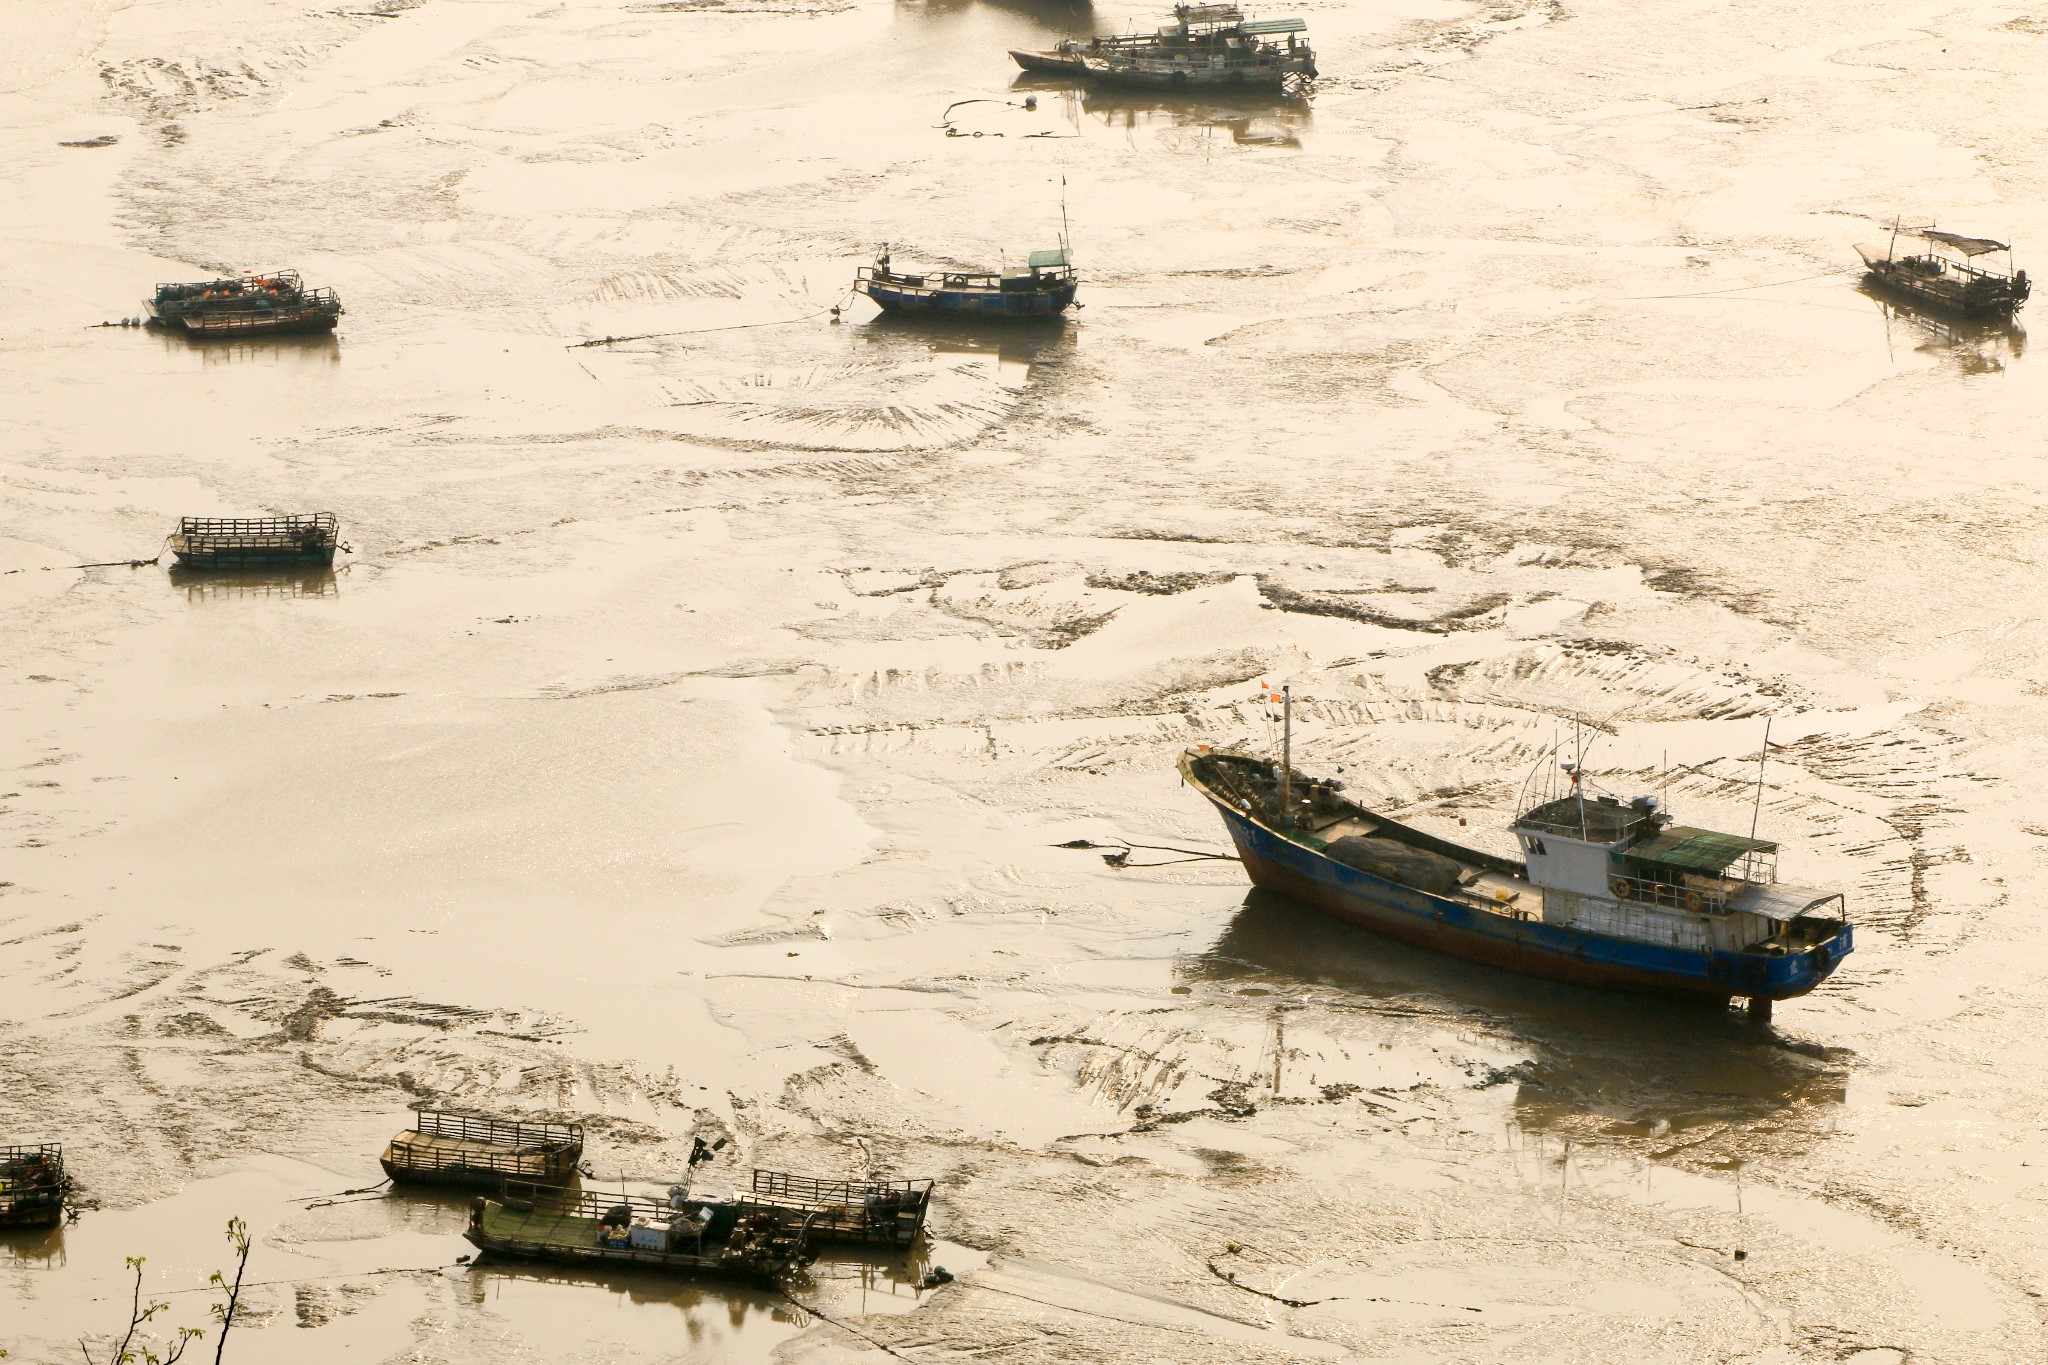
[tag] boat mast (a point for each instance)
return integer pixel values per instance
(1066, 241)
(1763, 756)
(1579, 774)
(1287, 755)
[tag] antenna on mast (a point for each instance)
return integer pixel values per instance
(1763, 756)
(1066, 240)
(1287, 755)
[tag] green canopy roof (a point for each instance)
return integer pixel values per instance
(1039, 260)
(1696, 850)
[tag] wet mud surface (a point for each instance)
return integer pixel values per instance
(684, 745)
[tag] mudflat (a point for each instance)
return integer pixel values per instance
(683, 744)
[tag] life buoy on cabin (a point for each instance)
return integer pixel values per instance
(1621, 888)
(1693, 901)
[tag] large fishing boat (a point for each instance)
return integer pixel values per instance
(1945, 270)
(244, 305)
(1608, 892)
(1042, 290)
(1205, 47)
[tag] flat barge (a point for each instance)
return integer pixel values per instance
(1608, 894)
(462, 1149)
(860, 1212)
(725, 1239)
(304, 541)
(33, 1185)
(243, 305)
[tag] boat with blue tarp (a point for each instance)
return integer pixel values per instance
(1042, 290)
(1608, 892)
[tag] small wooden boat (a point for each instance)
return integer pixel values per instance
(1943, 270)
(1610, 893)
(864, 1212)
(245, 305)
(461, 1149)
(1207, 47)
(732, 1239)
(292, 542)
(1041, 291)
(33, 1186)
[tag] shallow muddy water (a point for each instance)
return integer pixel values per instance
(683, 741)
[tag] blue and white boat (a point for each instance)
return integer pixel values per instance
(1608, 892)
(1042, 290)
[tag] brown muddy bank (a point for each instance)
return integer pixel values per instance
(684, 745)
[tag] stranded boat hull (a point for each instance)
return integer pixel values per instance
(1516, 943)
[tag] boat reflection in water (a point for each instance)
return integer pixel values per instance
(1601, 1063)
(288, 349)
(1252, 119)
(1015, 351)
(223, 585)
(1972, 345)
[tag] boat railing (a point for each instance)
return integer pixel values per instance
(310, 531)
(17, 1161)
(1699, 899)
(885, 1211)
(497, 1132)
(934, 284)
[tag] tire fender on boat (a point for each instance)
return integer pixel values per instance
(1720, 970)
(1753, 974)
(1820, 958)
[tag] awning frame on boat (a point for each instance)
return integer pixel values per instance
(1704, 851)
(1968, 246)
(1783, 904)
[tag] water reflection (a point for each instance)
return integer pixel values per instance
(223, 585)
(1974, 346)
(1601, 1063)
(1251, 119)
(38, 1248)
(1016, 348)
(292, 349)
(720, 1320)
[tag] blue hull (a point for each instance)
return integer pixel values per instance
(982, 304)
(1530, 947)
